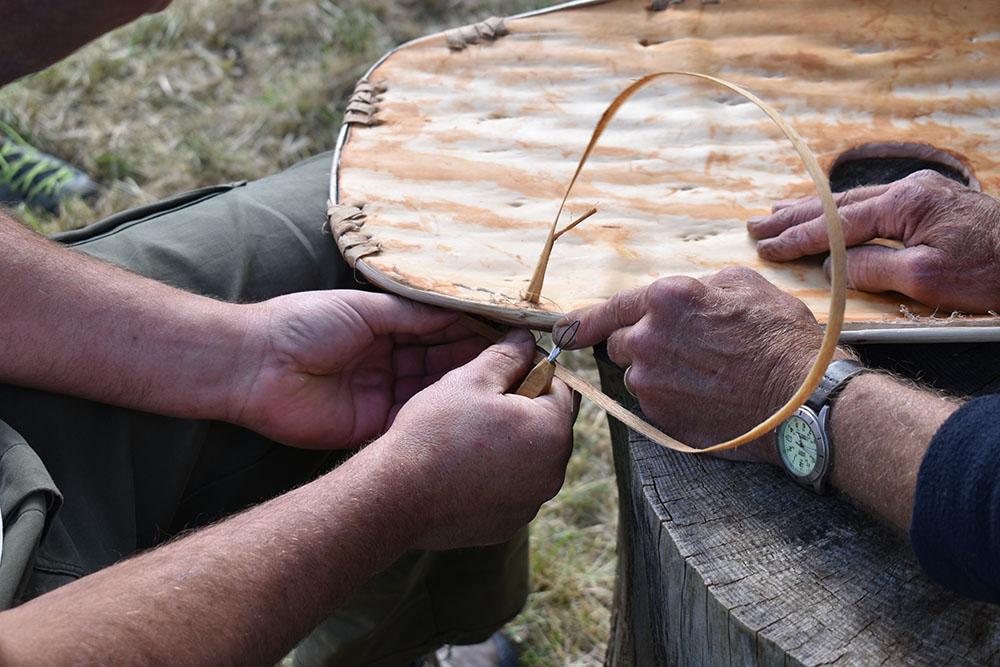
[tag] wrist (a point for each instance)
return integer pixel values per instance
(881, 427)
(222, 373)
(390, 493)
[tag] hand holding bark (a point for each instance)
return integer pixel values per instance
(481, 461)
(709, 358)
(331, 369)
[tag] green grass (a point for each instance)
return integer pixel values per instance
(220, 90)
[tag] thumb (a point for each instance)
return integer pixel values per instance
(389, 314)
(598, 322)
(503, 364)
(876, 268)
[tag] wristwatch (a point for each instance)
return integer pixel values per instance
(803, 442)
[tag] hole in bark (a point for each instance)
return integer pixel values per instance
(876, 164)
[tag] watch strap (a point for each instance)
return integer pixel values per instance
(836, 376)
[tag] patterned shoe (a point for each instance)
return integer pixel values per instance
(36, 179)
(497, 651)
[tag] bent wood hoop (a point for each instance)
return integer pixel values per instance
(838, 273)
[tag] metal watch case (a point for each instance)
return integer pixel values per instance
(816, 479)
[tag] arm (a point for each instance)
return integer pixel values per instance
(37, 34)
(240, 592)
(737, 343)
(72, 324)
(245, 590)
(881, 428)
(319, 369)
(950, 236)
(956, 509)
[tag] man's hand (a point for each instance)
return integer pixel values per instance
(951, 233)
(332, 369)
(464, 464)
(481, 461)
(710, 359)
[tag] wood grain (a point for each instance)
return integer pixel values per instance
(725, 563)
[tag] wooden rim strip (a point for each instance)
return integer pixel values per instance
(584, 388)
(838, 286)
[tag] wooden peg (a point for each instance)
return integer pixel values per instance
(539, 380)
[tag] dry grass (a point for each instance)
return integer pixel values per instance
(219, 90)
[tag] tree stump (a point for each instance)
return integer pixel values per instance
(723, 563)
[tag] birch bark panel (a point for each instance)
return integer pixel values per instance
(474, 148)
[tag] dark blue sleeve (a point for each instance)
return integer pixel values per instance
(955, 530)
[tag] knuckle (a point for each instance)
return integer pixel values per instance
(645, 334)
(620, 305)
(666, 292)
(509, 354)
(794, 238)
(922, 275)
(782, 216)
(639, 380)
(928, 176)
(922, 189)
(736, 274)
(848, 197)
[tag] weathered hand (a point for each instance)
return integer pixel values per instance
(481, 461)
(710, 359)
(332, 369)
(951, 234)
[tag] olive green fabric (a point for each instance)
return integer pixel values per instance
(29, 499)
(83, 485)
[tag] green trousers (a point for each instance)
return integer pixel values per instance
(84, 485)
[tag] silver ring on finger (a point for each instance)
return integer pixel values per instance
(628, 369)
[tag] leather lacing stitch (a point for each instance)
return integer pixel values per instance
(489, 30)
(363, 105)
(346, 222)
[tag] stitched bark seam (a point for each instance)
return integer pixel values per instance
(363, 105)
(489, 30)
(346, 223)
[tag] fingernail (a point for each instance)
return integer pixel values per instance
(756, 221)
(558, 330)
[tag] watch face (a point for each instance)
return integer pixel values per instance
(797, 446)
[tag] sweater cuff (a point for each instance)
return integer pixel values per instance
(955, 530)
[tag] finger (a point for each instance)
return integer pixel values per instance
(862, 223)
(423, 359)
(559, 395)
(875, 268)
(785, 203)
(443, 358)
(560, 400)
(620, 347)
(503, 364)
(804, 210)
(598, 322)
(388, 314)
(408, 387)
(453, 332)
